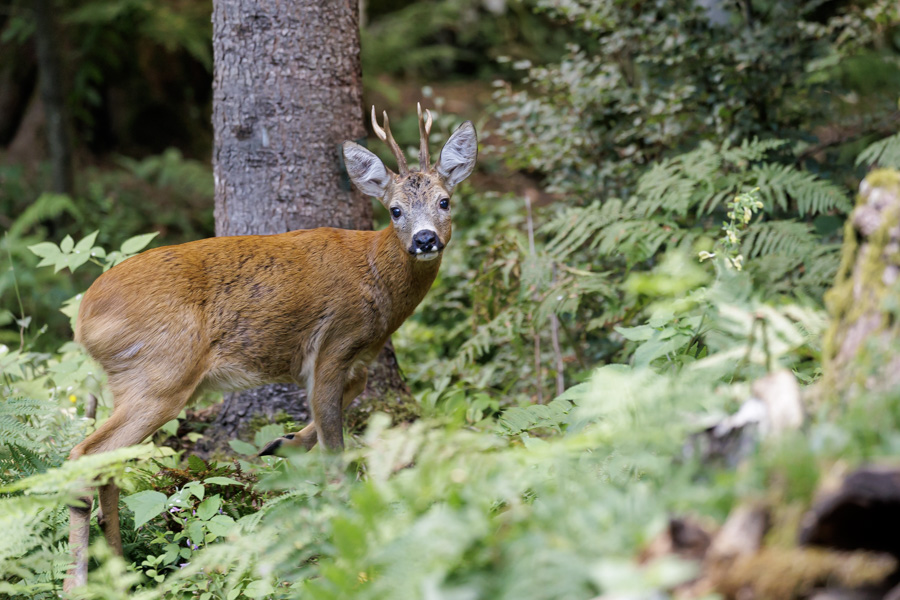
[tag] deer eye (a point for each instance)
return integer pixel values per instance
(444, 203)
(396, 212)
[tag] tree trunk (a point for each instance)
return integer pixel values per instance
(46, 41)
(287, 93)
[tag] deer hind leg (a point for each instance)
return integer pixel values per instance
(132, 421)
(307, 437)
(108, 517)
(79, 534)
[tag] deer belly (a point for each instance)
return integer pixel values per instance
(234, 378)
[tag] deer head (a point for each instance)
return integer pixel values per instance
(418, 200)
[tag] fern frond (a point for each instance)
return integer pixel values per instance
(47, 206)
(21, 436)
(668, 186)
(779, 184)
(536, 416)
(750, 150)
(789, 238)
(500, 329)
(883, 153)
(576, 226)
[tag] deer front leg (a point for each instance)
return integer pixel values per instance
(327, 408)
(307, 437)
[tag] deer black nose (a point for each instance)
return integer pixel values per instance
(427, 240)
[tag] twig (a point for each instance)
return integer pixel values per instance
(850, 132)
(576, 346)
(554, 339)
(12, 269)
(765, 341)
(90, 410)
(537, 337)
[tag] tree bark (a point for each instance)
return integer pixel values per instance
(287, 93)
(46, 41)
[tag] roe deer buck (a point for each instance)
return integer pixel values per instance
(312, 307)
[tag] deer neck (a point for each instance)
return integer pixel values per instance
(400, 279)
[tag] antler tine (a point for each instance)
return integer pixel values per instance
(386, 136)
(378, 130)
(424, 130)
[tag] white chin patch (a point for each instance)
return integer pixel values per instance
(426, 256)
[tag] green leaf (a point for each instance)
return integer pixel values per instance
(209, 507)
(77, 259)
(268, 433)
(67, 244)
(196, 489)
(62, 261)
(146, 505)
(137, 243)
(233, 594)
(220, 525)
(171, 427)
(640, 333)
(85, 244)
(47, 250)
(70, 308)
(195, 532)
(223, 481)
(649, 351)
(242, 447)
(258, 589)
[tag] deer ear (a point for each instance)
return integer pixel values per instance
(458, 155)
(366, 170)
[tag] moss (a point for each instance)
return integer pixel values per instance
(259, 420)
(868, 268)
(401, 407)
(884, 178)
(784, 574)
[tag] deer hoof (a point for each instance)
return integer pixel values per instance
(273, 446)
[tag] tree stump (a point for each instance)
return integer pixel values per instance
(863, 304)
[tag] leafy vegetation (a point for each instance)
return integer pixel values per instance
(571, 352)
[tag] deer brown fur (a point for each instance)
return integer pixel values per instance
(312, 307)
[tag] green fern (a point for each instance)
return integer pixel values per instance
(883, 153)
(520, 419)
(678, 204)
(574, 227)
(750, 150)
(501, 328)
(47, 206)
(21, 451)
(781, 184)
(779, 237)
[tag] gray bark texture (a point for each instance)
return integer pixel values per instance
(287, 93)
(46, 41)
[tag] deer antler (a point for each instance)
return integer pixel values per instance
(386, 136)
(424, 131)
